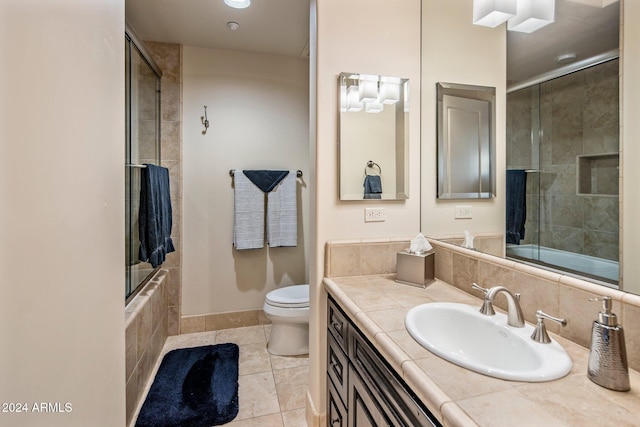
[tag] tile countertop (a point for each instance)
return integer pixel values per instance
(460, 397)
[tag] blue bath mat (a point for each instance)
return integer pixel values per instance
(194, 387)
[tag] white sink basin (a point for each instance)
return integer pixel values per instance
(462, 335)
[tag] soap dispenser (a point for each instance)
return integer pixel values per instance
(608, 365)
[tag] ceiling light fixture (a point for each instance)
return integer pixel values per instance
(491, 13)
(525, 16)
(233, 25)
(237, 4)
(532, 15)
(566, 58)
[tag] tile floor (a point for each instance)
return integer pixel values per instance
(272, 389)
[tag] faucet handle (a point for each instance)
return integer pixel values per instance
(540, 332)
(474, 285)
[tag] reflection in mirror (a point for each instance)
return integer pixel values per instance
(466, 141)
(562, 134)
(562, 203)
(374, 120)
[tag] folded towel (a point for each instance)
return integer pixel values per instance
(516, 205)
(282, 213)
(248, 220)
(372, 187)
(266, 180)
(155, 215)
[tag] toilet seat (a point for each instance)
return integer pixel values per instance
(289, 297)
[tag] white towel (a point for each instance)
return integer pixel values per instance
(282, 213)
(248, 220)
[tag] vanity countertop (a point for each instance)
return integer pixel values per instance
(460, 397)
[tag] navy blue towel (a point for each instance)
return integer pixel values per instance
(155, 216)
(516, 205)
(372, 187)
(266, 180)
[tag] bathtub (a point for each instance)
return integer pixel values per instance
(597, 268)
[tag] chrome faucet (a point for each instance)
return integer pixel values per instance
(515, 317)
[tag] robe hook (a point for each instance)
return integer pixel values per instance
(205, 121)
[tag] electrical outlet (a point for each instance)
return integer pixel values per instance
(374, 214)
(463, 212)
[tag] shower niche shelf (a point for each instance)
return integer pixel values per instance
(598, 174)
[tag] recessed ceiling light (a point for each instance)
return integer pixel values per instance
(238, 4)
(566, 58)
(233, 25)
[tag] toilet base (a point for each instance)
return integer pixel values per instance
(289, 339)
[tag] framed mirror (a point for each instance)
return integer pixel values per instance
(373, 137)
(466, 141)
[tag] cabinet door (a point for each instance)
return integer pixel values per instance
(336, 412)
(337, 367)
(364, 411)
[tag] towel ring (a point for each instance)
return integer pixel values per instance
(371, 164)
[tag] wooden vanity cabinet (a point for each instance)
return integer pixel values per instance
(362, 389)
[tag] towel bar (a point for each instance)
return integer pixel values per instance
(298, 173)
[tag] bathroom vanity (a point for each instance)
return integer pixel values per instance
(362, 390)
(377, 374)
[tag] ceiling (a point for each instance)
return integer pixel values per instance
(578, 28)
(278, 27)
(281, 27)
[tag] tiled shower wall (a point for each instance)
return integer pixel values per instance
(555, 294)
(169, 58)
(578, 117)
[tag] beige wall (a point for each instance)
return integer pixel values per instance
(257, 106)
(630, 149)
(455, 51)
(61, 210)
(362, 36)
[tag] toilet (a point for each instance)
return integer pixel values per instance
(288, 310)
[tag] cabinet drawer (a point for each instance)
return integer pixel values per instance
(336, 411)
(337, 367)
(337, 324)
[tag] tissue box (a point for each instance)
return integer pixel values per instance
(415, 269)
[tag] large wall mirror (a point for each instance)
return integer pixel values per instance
(466, 141)
(373, 145)
(563, 145)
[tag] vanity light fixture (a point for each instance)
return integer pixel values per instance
(353, 99)
(374, 106)
(237, 4)
(491, 13)
(368, 88)
(532, 15)
(389, 91)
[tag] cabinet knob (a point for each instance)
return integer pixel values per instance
(336, 421)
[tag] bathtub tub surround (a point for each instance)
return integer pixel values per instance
(585, 265)
(146, 323)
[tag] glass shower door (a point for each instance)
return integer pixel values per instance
(142, 85)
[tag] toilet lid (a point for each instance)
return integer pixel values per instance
(290, 296)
